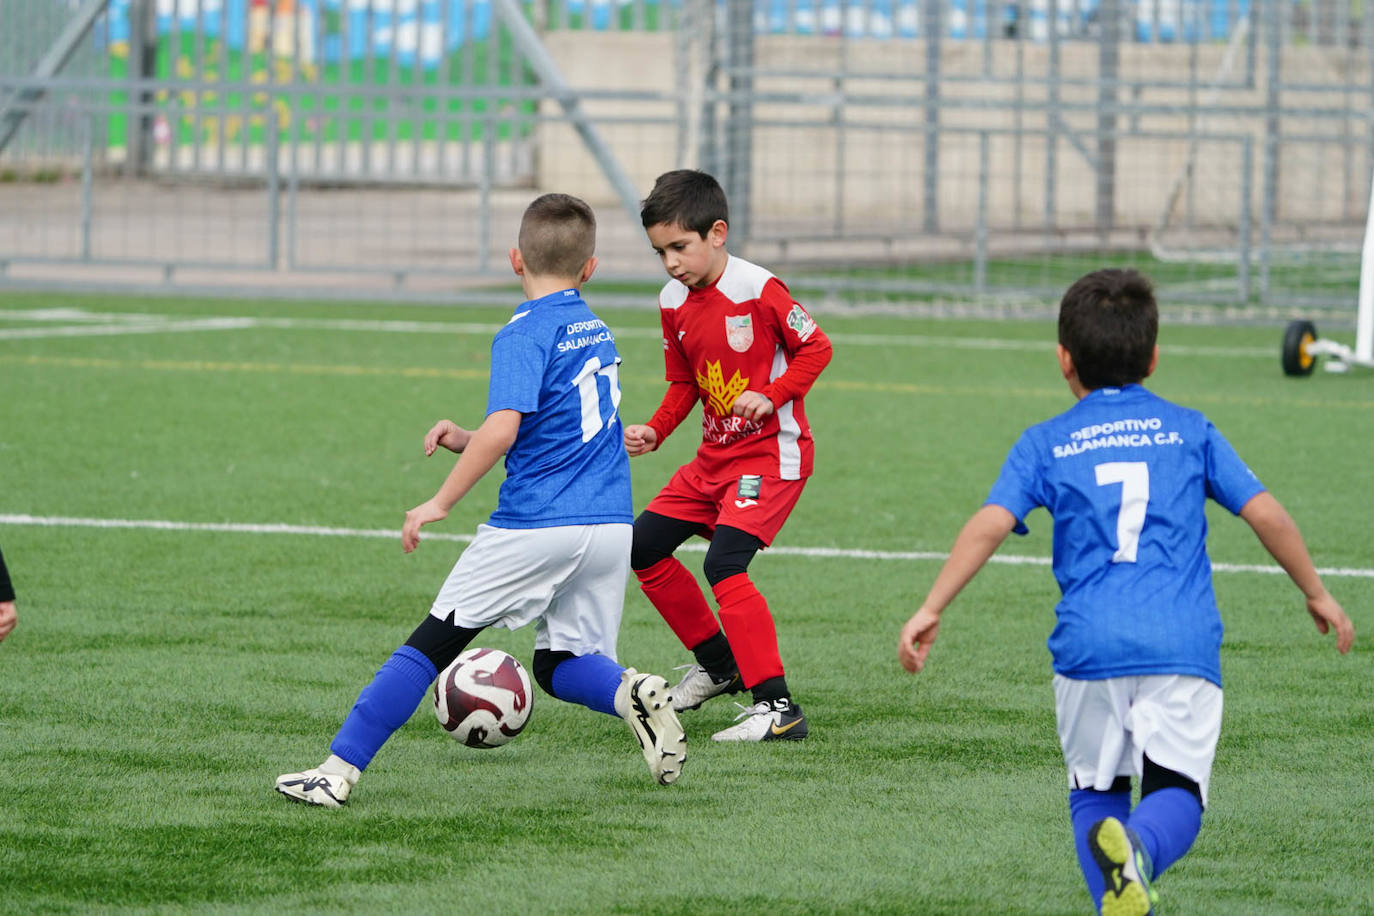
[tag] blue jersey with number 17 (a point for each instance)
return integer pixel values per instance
(1126, 475)
(557, 364)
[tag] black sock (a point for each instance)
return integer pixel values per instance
(775, 688)
(715, 656)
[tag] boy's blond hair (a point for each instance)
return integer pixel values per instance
(557, 235)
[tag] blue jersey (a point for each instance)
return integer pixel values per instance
(557, 364)
(1126, 476)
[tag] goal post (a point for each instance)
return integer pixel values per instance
(1301, 347)
(1364, 319)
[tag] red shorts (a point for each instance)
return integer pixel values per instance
(758, 505)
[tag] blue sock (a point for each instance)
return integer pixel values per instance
(1167, 821)
(591, 680)
(1087, 807)
(384, 705)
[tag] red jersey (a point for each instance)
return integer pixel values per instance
(742, 333)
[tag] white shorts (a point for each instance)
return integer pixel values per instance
(569, 581)
(1107, 727)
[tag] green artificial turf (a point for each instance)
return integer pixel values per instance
(161, 678)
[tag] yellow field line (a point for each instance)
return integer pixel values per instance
(1059, 394)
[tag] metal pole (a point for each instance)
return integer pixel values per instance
(1052, 121)
(1247, 187)
(980, 233)
(1018, 115)
(1109, 68)
(739, 125)
(931, 23)
(87, 207)
(1269, 209)
(273, 193)
(142, 68)
(837, 119)
(537, 56)
(484, 193)
(709, 144)
(20, 104)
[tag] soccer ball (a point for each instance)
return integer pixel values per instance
(483, 699)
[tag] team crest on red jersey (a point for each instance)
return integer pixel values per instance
(739, 332)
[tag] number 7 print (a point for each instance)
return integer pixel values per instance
(1134, 477)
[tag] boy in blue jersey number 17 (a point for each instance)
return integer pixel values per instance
(1136, 645)
(556, 552)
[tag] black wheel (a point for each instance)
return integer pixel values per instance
(1297, 339)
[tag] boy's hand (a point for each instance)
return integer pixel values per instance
(448, 434)
(1327, 614)
(8, 618)
(428, 511)
(752, 405)
(640, 439)
(917, 637)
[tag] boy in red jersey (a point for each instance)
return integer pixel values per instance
(734, 339)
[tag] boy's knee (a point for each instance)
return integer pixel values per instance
(730, 554)
(544, 663)
(655, 538)
(719, 568)
(643, 555)
(1156, 777)
(441, 640)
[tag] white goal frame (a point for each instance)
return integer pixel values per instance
(1364, 320)
(1341, 356)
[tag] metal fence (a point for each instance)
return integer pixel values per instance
(884, 149)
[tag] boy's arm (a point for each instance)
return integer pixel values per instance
(448, 434)
(1279, 534)
(8, 615)
(487, 444)
(808, 353)
(808, 349)
(804, 366)
(6, 587)
(979, 540)
(803, 369)
(678, 402)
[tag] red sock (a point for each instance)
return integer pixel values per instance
(673, 590)
(749, 627)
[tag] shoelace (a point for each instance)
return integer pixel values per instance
(758, 709)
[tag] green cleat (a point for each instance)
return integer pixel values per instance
(1125, 870)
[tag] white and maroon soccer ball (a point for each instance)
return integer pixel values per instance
(483, 699)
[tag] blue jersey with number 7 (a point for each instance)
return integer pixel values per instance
(1126, 475)
(557, 364)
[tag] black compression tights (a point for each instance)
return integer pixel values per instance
(657, 536)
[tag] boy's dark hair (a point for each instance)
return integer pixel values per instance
(557, 235)
(1108, 321)
(688, 198)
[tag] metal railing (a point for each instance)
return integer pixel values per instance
(863, 142)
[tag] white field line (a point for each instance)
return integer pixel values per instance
(57, 521)
(140, 327)
(92, 324)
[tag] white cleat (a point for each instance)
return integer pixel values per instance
(768, 720)
(697, 686)
(645, 704)
(316, 787)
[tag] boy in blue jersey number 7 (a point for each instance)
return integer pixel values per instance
(556, 552)
(1136, 646)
